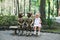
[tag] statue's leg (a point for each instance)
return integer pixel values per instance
(15, 32)
(26, 30)
(19, 31)
(22, 29)
(30, 30)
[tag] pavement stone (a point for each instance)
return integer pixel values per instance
(7, 35)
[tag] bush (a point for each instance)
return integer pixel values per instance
(50, 22)
(8, 20)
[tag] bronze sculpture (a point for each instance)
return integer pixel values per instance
(21, 23)
(29, 23)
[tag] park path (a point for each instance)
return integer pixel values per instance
(7, 35)
(57, 19)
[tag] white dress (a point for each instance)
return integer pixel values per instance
(37, 22)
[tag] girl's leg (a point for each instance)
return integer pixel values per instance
(34, 30)
(39, 30)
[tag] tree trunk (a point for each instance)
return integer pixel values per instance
(24, 7)
(15, 10)
(42, 10)
(48, 9)
(18, 6)
(29, 5)
(57, 8)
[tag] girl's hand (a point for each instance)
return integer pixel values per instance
(40, 22)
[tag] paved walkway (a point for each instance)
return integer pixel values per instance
(6, 35)
(57, 19)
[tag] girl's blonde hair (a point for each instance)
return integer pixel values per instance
(38, 13)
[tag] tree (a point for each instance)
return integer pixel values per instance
(48, 8)
(17, 6)
(57, 7)
(24, 7)
(29, 5)
(1, 0)
(15, 10)
(42, 9)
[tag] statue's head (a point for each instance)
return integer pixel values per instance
(29, 14)
(20, 15)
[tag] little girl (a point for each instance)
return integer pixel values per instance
(37, 23)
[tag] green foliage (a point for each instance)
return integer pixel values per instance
(35, 4)
(1, 0)
(50, 22)
(8, 20)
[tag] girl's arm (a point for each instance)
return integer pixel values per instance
(40, 21)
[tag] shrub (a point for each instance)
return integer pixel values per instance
(8, 20)
(50, 22)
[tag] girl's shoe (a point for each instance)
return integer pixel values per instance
(34, 32)
(38, 33)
